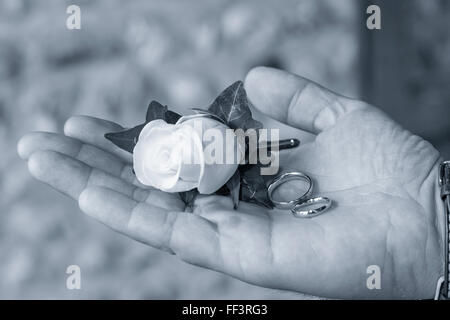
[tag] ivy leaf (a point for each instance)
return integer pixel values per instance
(254, 188)
(171, 117)
(252, 123)
(128, 138)
(157, 111)
(209, 113)
(223, 191)
(125, 139)
(232, 107)
(234, 185)
(188, 198)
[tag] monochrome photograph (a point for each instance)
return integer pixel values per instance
(252, 150)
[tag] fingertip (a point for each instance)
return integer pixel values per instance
(254, 72)
(30, 142)
(260, 76)
(270, 90)
(34, 141)
(38, 163)
(261, 71)
(23, 146)
(72, 124)
(79, 126)
(254, 76)
(46, 164)
(92, 131)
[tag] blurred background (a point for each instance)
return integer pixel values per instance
(183, 53)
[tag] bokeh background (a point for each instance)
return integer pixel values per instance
(182, 53)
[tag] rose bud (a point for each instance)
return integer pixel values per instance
(199, 152)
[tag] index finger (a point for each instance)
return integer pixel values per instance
(92, 131)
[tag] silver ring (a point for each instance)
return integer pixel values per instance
(299, 213)
(285, 177)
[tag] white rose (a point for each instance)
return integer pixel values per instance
(171, 157)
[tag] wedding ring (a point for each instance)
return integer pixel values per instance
(321, 204)
(285, 177)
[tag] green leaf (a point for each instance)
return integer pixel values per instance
(234, 185)
(125, 139)
(233, 108)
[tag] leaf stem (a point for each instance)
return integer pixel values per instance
(282, 144)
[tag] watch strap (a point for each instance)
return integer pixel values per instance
(444, 182)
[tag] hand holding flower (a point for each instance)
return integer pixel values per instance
(383, 216)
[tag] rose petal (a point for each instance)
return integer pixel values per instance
(216, 175)
(151, 156)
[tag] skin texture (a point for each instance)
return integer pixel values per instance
(381, 177)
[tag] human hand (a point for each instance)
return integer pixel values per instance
(381, 178)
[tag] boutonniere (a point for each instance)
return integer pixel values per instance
(212, 151)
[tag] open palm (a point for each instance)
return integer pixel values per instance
(380, 176)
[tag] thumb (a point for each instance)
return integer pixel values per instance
(294, 100)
